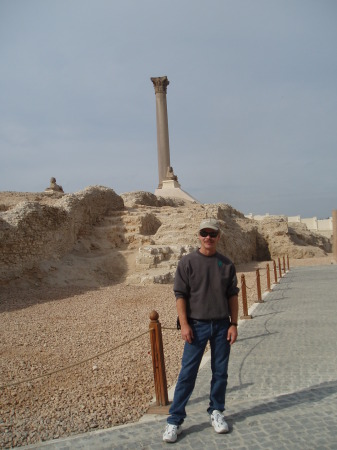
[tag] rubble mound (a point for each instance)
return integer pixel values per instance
(96, 237)
(292, 239)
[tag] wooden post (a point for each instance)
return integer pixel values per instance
(244, 299)
(279, 267)
(334, 235)
(158, 362)
(258, 285)
(275, 272)
(284, 265)
(268, 278)
(288, 261)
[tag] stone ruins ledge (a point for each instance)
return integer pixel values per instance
(36, 229)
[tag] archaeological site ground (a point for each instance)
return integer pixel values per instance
(80, 274)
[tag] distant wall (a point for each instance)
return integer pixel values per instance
(321, 226)
(31, 231)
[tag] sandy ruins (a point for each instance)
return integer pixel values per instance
(80, 274)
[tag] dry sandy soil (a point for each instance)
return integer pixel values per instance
(94, 346)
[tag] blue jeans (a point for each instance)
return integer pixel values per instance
(216, 332)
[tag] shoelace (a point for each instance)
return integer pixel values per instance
(218, 418)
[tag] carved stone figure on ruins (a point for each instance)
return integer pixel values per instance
(170, 174)
(54, 186)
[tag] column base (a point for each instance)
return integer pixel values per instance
(171, 188)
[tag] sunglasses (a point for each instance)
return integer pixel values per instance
(212, 234)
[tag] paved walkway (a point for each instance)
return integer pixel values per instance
(282, 391)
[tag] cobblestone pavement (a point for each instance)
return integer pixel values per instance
(282, 391)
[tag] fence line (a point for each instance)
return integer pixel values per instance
(244, 286)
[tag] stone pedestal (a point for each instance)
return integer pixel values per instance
(169, 184)
(172, 189)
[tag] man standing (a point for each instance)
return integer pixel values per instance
(206, 293)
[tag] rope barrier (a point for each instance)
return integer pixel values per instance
(28, 380)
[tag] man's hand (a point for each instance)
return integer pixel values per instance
(232, 334)
(186, 330)
(187, 333)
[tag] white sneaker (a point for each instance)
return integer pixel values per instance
(218, 422)
(171, 432)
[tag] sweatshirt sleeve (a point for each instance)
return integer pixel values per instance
(233, 286)
(181, 285)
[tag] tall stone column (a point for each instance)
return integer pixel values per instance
(160, 87)
(334, 235)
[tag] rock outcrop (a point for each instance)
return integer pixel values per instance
(40, 228)
(95, 237)
(292, 239)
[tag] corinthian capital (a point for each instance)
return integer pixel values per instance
(160, 84)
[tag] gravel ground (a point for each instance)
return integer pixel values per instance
(49, 331)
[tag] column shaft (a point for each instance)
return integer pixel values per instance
(160, 86)
(162, 137)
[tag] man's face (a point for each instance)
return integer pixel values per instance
(208, 239)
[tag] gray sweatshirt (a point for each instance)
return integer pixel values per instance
(206, 283)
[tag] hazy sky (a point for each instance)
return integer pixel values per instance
(252, 100)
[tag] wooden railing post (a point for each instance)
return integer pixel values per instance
(158, 362)
(334, 235)
(275, 272)
(268, 278)
(284, 265)
(288, 262)
(244, 299)
(258, 286)
(279, 267)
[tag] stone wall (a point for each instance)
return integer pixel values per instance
(33, 231)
